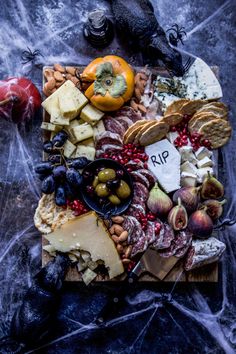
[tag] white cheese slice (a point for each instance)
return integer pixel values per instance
(202, 172)
(188, 167)
(188, 179)
(82, 132)
(171, 136)
(205, 162)
(87, 232)
(56, 116)
(86, 151)
(164, 162)
(51, 127)
(91, 114)
(187, 154)
(88, 142)
(69, 148)
(203, 152)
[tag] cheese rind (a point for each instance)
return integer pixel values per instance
(87, 232)
(91, 114)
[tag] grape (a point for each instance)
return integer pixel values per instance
(79, 162)
(59, 139)
(113, 184)
(88, 175)
(90, 190)
(119, 173)
(99, 169)
(70, 194)
(44, 167)
(59, 173)
(48, 185)
(74, 177)
(54, 158)
(47, 146)
(60, 196)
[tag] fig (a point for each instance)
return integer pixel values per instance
(211, 188)
(158, 201)
(200, 223)
(178, 217)
(189, 197)
(214, 208)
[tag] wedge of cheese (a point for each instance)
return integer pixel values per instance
(55, 114)
(87, 232)
(86, 151)
(69, 149)
(81, 132)
(91, 114)
(51, 127)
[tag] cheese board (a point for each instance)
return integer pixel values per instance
(161, 155)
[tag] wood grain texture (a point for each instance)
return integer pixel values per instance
(207, 273)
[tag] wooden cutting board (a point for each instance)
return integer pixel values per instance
(208, 273)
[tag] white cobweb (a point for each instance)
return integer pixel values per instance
(198, 318)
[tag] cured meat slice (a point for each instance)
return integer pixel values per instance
(134, 165)
(114, 126)
(136, 209)
(149, 175)
(125, 121)
(139, 177)
(179, 244)
(164, 238)
(108, 138)
(140, 201)
(203, 252)
(128, 112)
(140, 246)
(150, 232)
(108, 148)
(141, 191)
(135, 229)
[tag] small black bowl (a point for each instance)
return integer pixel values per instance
(107, 209)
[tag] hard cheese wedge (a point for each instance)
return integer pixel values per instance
(81, 132)
(87, 232)
(91, 114)
(86, 151)
(164, 162)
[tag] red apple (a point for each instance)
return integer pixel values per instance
(19, 99)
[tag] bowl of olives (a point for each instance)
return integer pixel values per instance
(107, 187)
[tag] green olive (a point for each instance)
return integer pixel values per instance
(95, 181)
(106, 175)
(101, 190)
(114, 199)
(123, 191)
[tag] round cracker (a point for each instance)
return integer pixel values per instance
(217, 131)
(195, 123)
(132, 128)
(154, 133)
(211, 108)
(172, 118)
(143, 129)
(192, 107)
(176, 106)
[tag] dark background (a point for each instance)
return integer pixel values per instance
(200, 318)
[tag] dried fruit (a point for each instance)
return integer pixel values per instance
(189, 197)
(178, 217)
(200, 223)
(211, 188)
(214, 208)
(159, 202)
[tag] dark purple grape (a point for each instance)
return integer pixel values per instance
(99, 169)
(119, 173)
(79, 162)
(44, 167)
(113, 184)
(90, 190)
(60, 196)
(47, 146)
(59, 139)
(48, 185)
(59, 173)
(88, 176)
(70, 194)
(54, 158)
(74, 177)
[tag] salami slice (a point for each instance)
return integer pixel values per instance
(114, 126)
(125, 121)
(136, 209)
(181, 242)
(140, 246)
(149, 175)
(203, 252)
(139, 177)
(141, 191)
(128, 112)
(150, 232)
(134, 165)
(108, 138)
(108, 148)
(135, 231)
(164, 238)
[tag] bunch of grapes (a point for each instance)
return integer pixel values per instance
(59, 174)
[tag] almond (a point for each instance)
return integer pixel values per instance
(59, 67)
(71, 70)
(58, 76)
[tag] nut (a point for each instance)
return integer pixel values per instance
(50, 84)
(116, 229)
(68, 76)
(128, 251)
(115, 238)
(123, 236)
(74, 80)
(117, 219)
(126, 261)
(59, 83)
(120, 248)
(46, 92)
(58, 76)
(137, 93)
(59, 67)
(71, 70)
(48, 73)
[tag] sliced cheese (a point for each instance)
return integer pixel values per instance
(86, 151)
(188, 167)
(87, 232)
(164, 162)
(205, 162)
(91, 114)
(69, 149)
(187, 154)
(203, 152)
(88, 142)
(188, 179)
(82, 132)
(51, 127)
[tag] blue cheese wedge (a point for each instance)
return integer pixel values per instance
(164, 162)
(82, 132)
(85, 151)
(87, 232)
(91, 114)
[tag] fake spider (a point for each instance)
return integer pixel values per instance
(176, 34)
(29, 55)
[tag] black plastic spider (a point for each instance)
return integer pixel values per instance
(29, 55)
(177, 35)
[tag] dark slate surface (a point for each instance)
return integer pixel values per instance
(200, 318)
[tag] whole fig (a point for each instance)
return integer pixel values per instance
(211, 188)
(158, 201)
(214, 208)
(200, 224)
(178, 217)
(189, 197)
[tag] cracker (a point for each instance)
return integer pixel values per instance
(217, 131)
(192, 107)
(131, 129)
(154, 133)
(221, 112)
(175, 106)
(172, 118)
(143, 129)
(195, 123)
